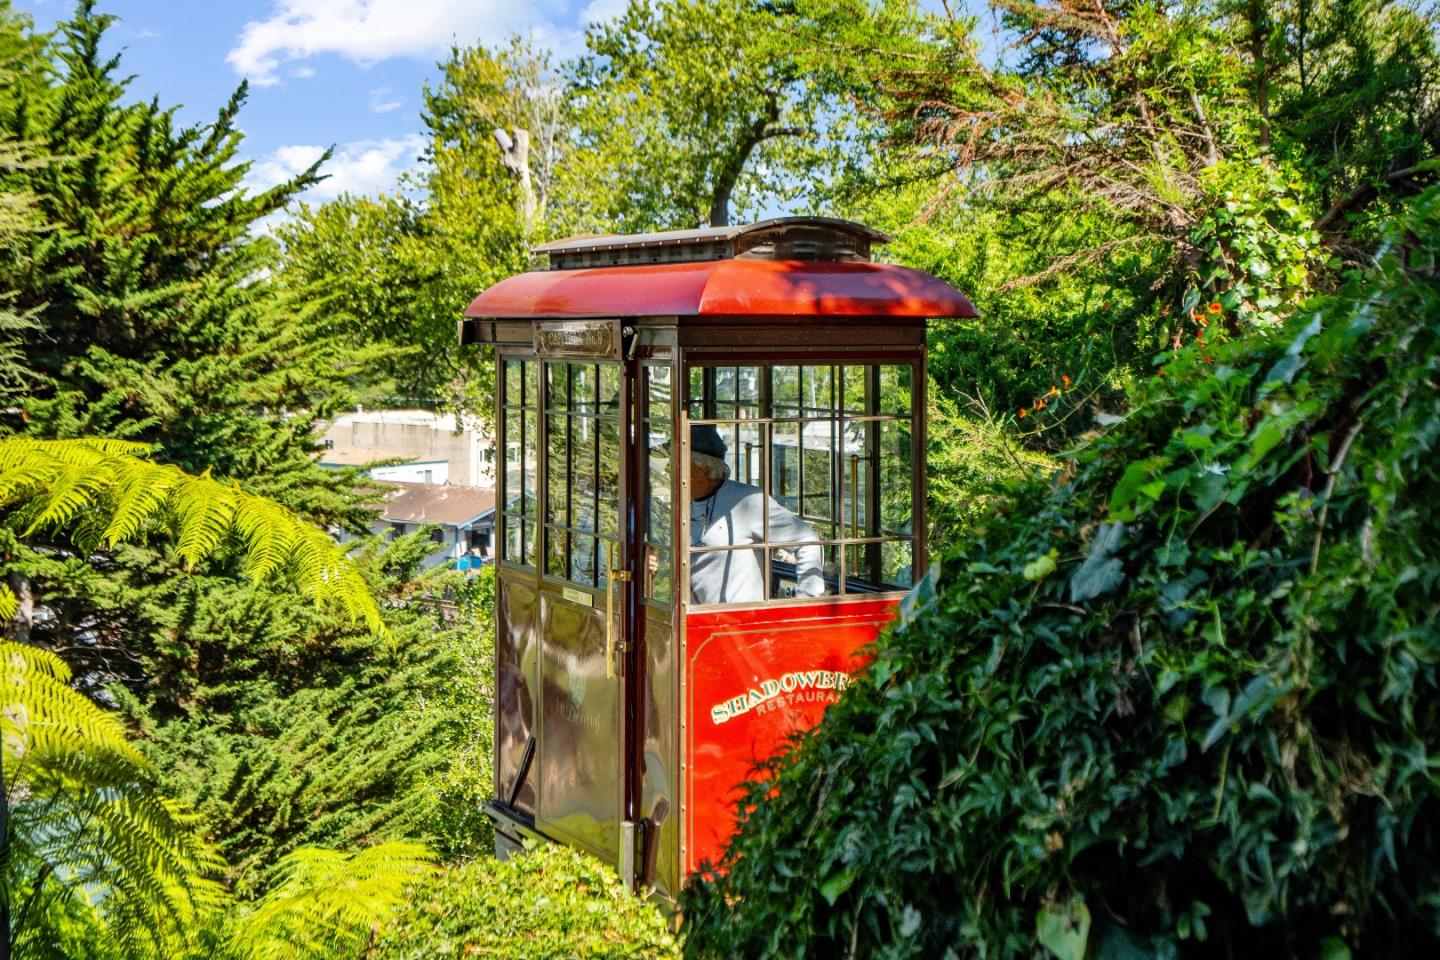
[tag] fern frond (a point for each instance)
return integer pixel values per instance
(325, 902)
(85, 822)
(107, 495)
(42, 714)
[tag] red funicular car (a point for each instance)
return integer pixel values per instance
(712, 497)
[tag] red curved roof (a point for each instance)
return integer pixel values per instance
(724, 288)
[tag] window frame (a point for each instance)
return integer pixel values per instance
(698, 370)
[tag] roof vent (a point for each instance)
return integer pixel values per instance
(785, 238)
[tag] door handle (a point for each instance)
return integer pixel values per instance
(616, 576)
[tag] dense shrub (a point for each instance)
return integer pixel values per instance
(1181, 701)
(551, 902)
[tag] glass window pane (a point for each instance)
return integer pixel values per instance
(659, 393)
(582, 387)
(532, 383)
(747, 387)
(895, 387)
(556, 497)
(582, 560)
(557, 386)
(512, 395)
(659, 572)
(528, 556)
(785, 464)
(819, 462)
(531, 465)
(582, 473)
(897, 563)
(855, 377)
(695, 396)
(513, 544)
(610, 388)
(609, 492)
(607, 558)
(785, 391)
(513, 488)
(817, 389)
(556, 558)
(659, 475)
(725, 387)
(896, 474)
(808, 570)
(859, 460)
(742, 451)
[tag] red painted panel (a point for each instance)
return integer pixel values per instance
(724, 288)
(753, 677)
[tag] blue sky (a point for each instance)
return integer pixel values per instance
(346, 73)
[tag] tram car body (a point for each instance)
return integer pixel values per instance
(634, 695)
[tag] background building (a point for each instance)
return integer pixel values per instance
(438, 448)
(447, 477)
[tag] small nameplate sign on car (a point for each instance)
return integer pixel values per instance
(584, 339)
(578, 596)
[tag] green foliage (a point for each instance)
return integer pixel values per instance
(152, 325)
(1121, 165)
(686, 107)
(1205, 727)
(327, 904)
(397, 272)
(1260, 246)
(102, 493)
(284, 728)
(135, 877)
(550, 903)
(970, 465)
(85, 837)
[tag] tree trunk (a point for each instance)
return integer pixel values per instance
(515, 155)
(1258, 37)
(18, 629)
(729, 174)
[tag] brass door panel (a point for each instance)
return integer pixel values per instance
(517, 662)
(580, 751)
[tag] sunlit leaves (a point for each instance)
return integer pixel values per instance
(107, 495)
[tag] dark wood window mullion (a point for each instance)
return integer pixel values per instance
(873, 433)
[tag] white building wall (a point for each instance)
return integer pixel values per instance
(434, 471)
(421, 434)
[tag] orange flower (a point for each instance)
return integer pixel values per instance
(1041, 404)
(1215, 308)
(1054, 392)
(1024, 413)
(1065, 380)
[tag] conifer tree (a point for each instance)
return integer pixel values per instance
(155, 326)
(159, 322)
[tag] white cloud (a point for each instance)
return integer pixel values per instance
(600, 10)
(383, 100)
(367, 31)
(361, 167)
(303, 73)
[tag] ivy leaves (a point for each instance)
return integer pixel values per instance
(1174, 704)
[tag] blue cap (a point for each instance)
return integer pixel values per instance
(704, 438)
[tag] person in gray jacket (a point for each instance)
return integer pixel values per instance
(725, 512)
